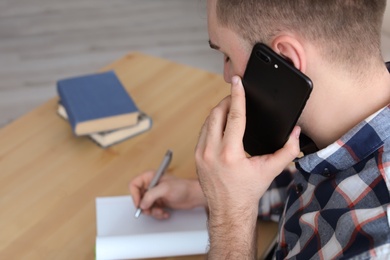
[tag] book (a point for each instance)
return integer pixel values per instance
(97, 102)
(108, 138)
(122, 236)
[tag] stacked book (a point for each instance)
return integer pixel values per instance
(98, 106)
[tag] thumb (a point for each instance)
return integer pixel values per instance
(282, 157)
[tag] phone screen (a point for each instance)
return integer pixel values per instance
(276, 93)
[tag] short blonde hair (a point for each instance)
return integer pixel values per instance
(345, 30)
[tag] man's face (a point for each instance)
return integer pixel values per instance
(236, 51)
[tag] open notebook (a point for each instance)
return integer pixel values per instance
(121, 236)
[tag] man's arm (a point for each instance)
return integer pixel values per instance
(232, 182)
(233, 236)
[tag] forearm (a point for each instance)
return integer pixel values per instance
(233, 234)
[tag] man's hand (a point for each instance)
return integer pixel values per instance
(171, 192)
(232, 182)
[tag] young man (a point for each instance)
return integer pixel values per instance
(336, 205)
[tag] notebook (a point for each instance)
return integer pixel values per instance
(122, 236)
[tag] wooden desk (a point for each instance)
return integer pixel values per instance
(49, 179)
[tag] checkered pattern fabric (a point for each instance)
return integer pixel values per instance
(338, 202)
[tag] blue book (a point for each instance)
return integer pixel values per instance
(96, 103)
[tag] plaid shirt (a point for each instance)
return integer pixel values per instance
(339, 199)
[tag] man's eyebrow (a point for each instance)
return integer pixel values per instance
(213, 46)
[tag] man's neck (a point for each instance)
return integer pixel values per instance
(345, 101)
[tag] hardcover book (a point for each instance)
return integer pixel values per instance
(122, 236)
(108, 138)
(96, 103)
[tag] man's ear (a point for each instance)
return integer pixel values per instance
(291, 49)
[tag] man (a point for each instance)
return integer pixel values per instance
(337, 204)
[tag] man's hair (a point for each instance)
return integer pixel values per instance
(345, 30)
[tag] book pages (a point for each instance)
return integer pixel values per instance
(122, 236)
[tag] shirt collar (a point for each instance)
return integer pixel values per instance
(355, 146)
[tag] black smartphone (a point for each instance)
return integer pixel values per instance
(276, 93)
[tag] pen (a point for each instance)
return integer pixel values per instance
(161, 170)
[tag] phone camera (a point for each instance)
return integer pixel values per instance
(263, 57)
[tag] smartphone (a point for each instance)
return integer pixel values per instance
(276, 93)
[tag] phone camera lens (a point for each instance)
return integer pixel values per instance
(263, 57)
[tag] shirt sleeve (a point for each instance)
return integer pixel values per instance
(271, 205)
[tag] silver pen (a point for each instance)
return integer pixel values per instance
(160, 172)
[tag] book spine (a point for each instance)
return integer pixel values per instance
(65, 104)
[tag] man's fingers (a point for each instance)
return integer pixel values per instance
(159, 213)
(225, 125)
(138, 185)
(217, 123)
(217, 120)
(202, 136)
(235, 126)
(149, 203)
(227, 119)
(152, 195)
(214, 126)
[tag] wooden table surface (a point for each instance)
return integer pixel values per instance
(49, 178)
